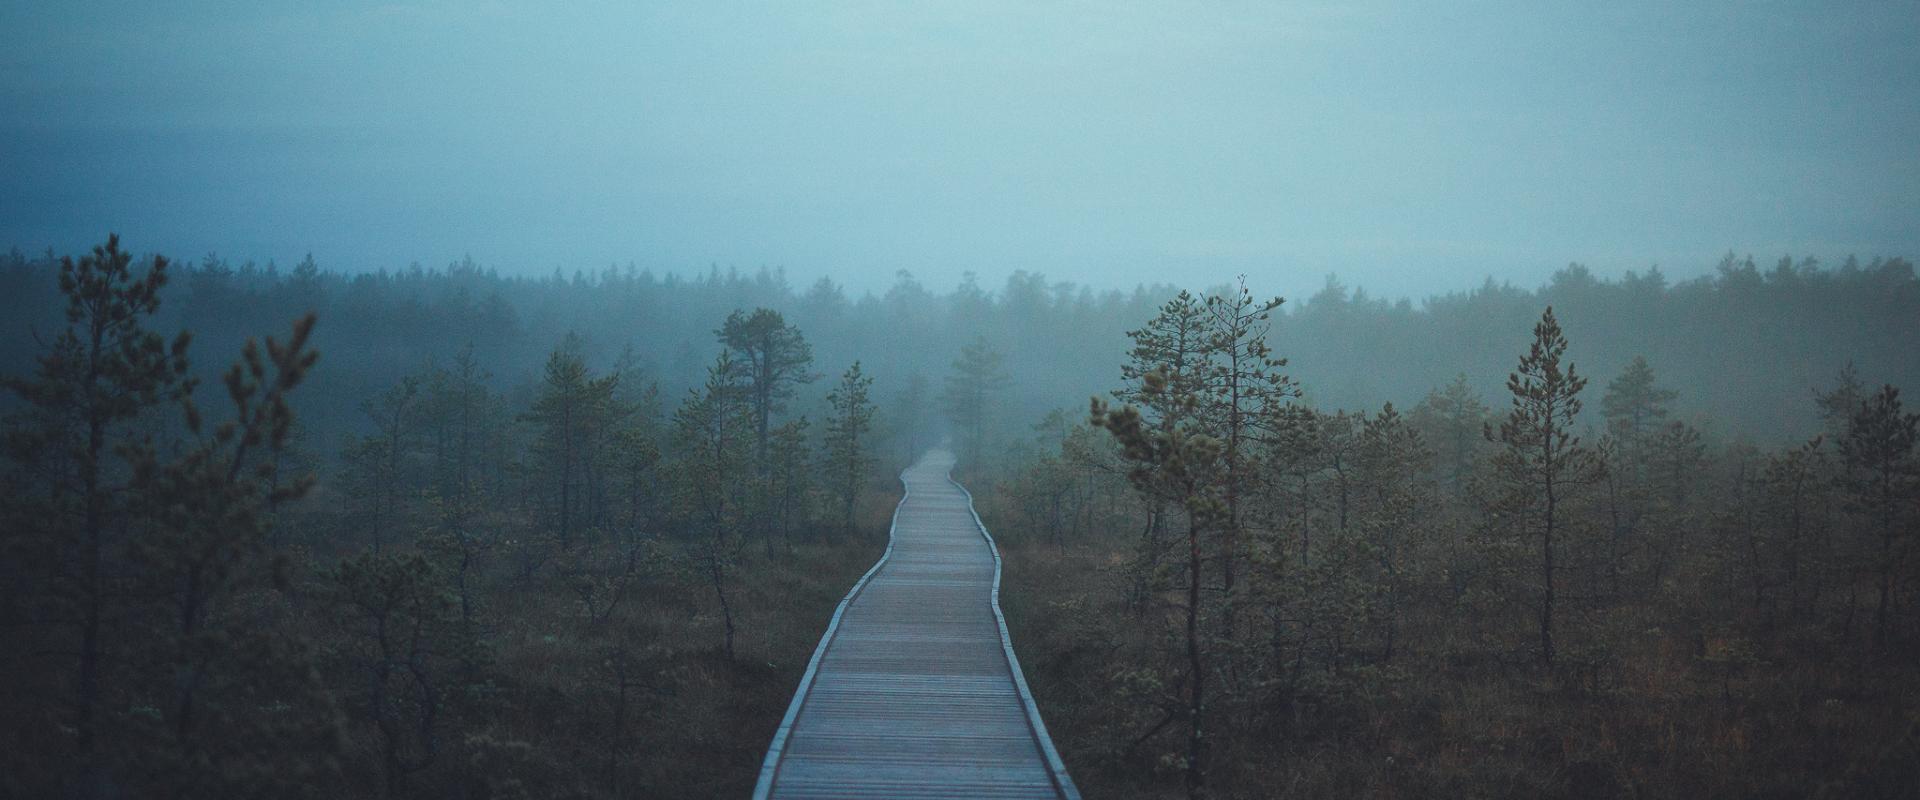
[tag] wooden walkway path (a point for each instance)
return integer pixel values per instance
(914, 691)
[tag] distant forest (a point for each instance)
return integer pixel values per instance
(1745, 345)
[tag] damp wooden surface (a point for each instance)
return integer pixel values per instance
(915, 691)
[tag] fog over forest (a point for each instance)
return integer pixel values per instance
(450, 400)
(1749, 344)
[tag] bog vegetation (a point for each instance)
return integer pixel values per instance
(1228, 592)
(449, 534)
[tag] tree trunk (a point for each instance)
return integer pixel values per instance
(1196, 772)
(1546, 576)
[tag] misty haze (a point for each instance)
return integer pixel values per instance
(489, 400)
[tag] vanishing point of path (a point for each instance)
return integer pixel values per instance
(914, 691)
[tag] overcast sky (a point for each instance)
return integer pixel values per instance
(1411, 148)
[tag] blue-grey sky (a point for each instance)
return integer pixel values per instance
(1412, 148)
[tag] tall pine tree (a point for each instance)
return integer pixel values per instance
(979, 376)
(848, 455)
(1541, 457)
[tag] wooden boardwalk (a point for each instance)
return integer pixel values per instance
(914, 691)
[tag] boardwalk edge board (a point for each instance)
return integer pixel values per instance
(1055, 767)
(770, 767)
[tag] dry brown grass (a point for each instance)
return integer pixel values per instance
(1660, 723)
(541, 720)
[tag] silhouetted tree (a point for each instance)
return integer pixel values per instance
(574, 411)
(1451, 420)
(1883, 482)
(1242, 379)
(1541, 457)
(979, 376)
(772, 357)
(101, 374)
(1179, 467)
(377, 464)
(713, 439)
(789, 480)
(848, 454)
(397, 620)
(1633, 405)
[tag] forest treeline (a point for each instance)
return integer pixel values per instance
(1222, 589)
(578, 586)
(447, 533)
(1748, 341)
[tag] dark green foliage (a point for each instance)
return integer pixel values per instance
(144, 579)
(1542, 460)
(245, 714)
(1178, 468)
(378, 466)
(1220, 589)
(576, 416)
(772, 359)
(102, 373)
(396, 620)
(1241, 387)
(480, 632)
(1504, 638)
(1172, 344)
(713, 437)
(1207, 389)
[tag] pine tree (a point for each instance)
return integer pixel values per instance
(713, 442)
(379, 463)
(1395, 509)
(1172, 344)
(1242, 381)
(1542, 458)
(1633, 405)
(458, 402)
(1043, 487)
(1093, 455)
(1452, 420)
(574, 413)
(789, 481)
(979, 376)
(100, 375)
(771, 359)
(1178, 467)
(207, 513)
(1883, 481)
(848, 455)
(1675, 456)
(1838, 403)
(399, 625)
(1791, 489)
(638, 452)
(199, 692)
(1170, 347)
